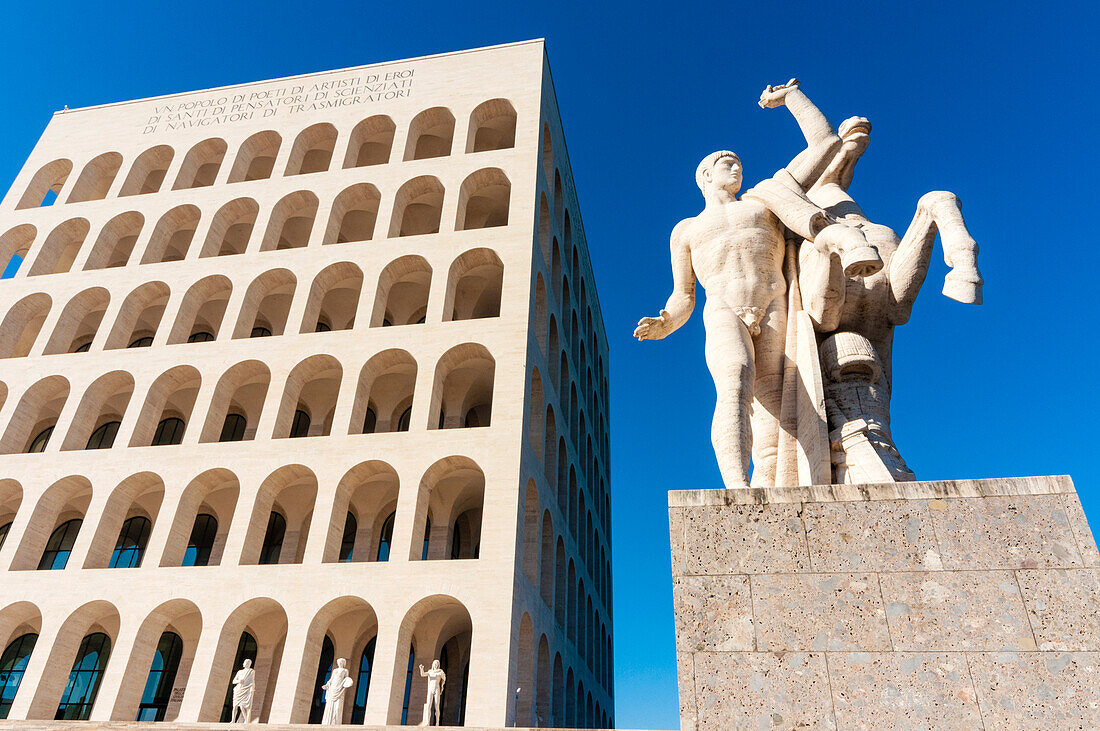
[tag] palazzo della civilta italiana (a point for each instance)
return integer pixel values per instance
(304, 407)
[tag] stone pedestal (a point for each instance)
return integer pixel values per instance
(965, 604)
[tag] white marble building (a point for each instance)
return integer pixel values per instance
(299, 370)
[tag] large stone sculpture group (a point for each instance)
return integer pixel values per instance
(803, 294)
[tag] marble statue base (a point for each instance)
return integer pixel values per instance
(964, 604)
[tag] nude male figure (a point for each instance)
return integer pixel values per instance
(735, 247)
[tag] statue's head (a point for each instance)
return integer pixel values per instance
(341, 663)
(435, 664)
(855, 132)
(719, 171)
(247, 663)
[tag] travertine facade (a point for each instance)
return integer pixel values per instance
(948, 605)
(385, 261)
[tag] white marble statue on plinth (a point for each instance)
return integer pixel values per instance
(244, 684)
(436, 679)
(799, 235)
(335, 687)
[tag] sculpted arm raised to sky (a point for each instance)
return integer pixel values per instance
(822, 141)
(681, 302)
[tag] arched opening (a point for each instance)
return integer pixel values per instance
(384, 397)
(437, 627)
(22, 324)
(333, 299)
(115, 242)
(201, 524)
(483, 200)
(14, 245)
(570, 700)
(291, 222)
(281, 517)
(401, 297)
(492, 126)
(172, 236)
(96, 178)
(201, 311)
(430, 134)
(536, 414)
(11, 497)
(256, 631)
(256, 157)
(46, 185)
(35, 416)
(546, 572)
(531, 533)
(371, 142)
(266, 305)
(354, 212)
(417, 207)
(60, 248)
(559, 202)
(79, 322)
(462, 395)
(127, 519)
(544, 228)
(474, 286)
(167, 409)
(367, 494)
(147, 173)
(449, 505)
(20, 625)
(99, 414)
(200, 166)
(312, 151)
(139, 317)
(231, 228)
(543, 685)
(558, 709)
(540, 317)
(525, 673)
(312, 388)
(547, 153)
(560, 589)
(237, 403)
(342, 629)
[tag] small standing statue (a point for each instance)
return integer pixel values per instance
(244, 683)
(334, 689)
(436, 679)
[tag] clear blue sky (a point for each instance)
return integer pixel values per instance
(995, 101)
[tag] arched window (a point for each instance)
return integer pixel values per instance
(370, 421)
(324, 670)
(60, 546)
(456, 541)
(169, 431)
(405, 420)
(385, 539)
(260, 332)
(104, 436)
(362, 684)
(162, 676)
(427, 536)
(200, 337)
(247, 649)
(273, 539)
(201, 542)
(408, 686)
(13, 663)
(130, 546)
(80, 692)
(347, 543)
(300, 426)
(38, 444)
(233, 428)
(144, 342)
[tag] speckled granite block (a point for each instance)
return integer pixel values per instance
(906, 605)
(903, 690)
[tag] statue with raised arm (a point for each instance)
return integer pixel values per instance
(856, 316)
(337, 684)
(736, 248)
(244, 683)
(436, 679)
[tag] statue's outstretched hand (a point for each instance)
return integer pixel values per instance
(776, 96)
(654, 328)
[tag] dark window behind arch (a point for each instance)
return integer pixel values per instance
(38, 444)
(60, 546)
(130, 546)
(4, 530)
(201, 542)
(362, 685)
(104, 436)
(162, 676)
(200, 337)
(273, 539)
(408, 686)
(324, 670)
(347, 544)
(233, 428)
(13, 663)
(247, 649)
(80, 692)
(300, 425)
(385, 539)
(169, 431)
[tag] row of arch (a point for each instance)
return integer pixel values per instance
(483, 202)
(206, 529)
(332, 302)
(492, 126)
(172, 649)
(560, 699)
(241, 403)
